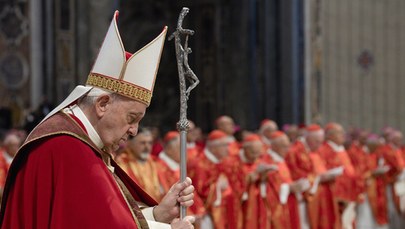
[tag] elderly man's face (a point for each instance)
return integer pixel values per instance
(192, 133)
(118, 118)
(338, 135)
(227, 125)
(220, 149)
(397, 138)
(141, 146)
(281, 145)
(314, 141)
(253, 151)
(11, 144)
(174, 149)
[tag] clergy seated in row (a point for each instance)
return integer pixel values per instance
(215, 179)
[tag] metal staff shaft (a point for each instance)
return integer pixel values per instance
(183, 165)
(185, 72)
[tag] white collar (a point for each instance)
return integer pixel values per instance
(191, 145)
(301, 138)
(365, 149)
(266, 140)
(211, 156)
(304, 142)
(243, 156)
(7, 157)
(337, 148)
(173, 165)
(93, 135)
(276, 158)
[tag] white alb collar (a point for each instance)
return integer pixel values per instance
(337, 148)
(7, 157)
(191, 145)
(276, 158)
(231, 138)
(243, 156)
(93, 135)
(211, 156)
(266, 140)
(304, 142)
(366, 149)
(173, 165)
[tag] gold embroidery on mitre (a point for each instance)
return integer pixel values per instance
(121, 87)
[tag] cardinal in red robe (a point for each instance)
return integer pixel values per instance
(346, 188)
(168, 170)
(280, 190)
(394, 178)
(216, 181)
(305, 163)
(253, 171)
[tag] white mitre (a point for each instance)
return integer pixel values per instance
(115, 70)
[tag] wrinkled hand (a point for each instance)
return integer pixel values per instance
(186, 223)
(299, 186)
(180, 193)
(381, 170)
(253, 177)
(264, 168)
(327, 177)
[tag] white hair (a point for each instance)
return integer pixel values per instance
(213, 143)
(12, 138)
(315, 133)
(91, 97)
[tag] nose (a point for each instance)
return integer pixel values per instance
(133, 130)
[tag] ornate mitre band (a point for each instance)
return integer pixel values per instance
(130, 75)
(121, 87)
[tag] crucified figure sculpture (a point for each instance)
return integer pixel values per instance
(185, 72)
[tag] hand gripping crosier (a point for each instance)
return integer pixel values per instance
(185, 72)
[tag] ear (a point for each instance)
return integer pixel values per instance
(102, 104)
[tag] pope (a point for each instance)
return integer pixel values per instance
(64, 175)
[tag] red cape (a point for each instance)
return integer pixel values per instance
(60, 181)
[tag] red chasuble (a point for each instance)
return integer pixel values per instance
(193, 151)
(143, 173)
(4, 166)
(223, 206)
(233, 148)
(168, 177)
(283, 215)
(58, 180)
(374, 185)
(393, 158)
(255, 214)
(305, 164)
(346, 187)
